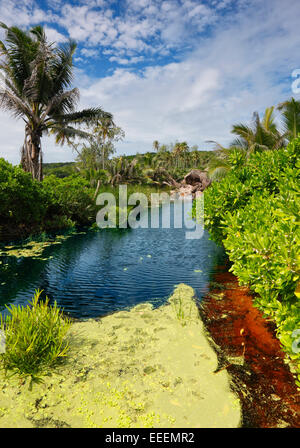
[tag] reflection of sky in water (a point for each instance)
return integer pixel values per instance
(99, 272)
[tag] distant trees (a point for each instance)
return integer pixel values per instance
(156, 145)
(105, 134)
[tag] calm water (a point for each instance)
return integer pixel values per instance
(96, 273)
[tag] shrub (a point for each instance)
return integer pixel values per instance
(22, 200)
(254, 212)
(71, 197)
(35, 338)
(28, 206)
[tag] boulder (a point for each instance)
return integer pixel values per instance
(198, 179)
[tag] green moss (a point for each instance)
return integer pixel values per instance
(164, 378)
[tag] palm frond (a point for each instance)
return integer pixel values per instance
(15, 105)
(65, 134)
(85, 116)
(61, 103)
(218, 173)
(290, 117)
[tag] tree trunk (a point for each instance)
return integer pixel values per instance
(31, 158)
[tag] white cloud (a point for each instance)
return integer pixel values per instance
(125, 61)
(223, 81)
(89, 52)
(54, 36)
(22, 14)
(245, 65)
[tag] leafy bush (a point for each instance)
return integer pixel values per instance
(35, 338)
(254, 212)
(71, 197)
(22, 200)
(64, 169)
(28, 206)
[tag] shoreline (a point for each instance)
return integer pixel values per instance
(140, 368)
(249, 350)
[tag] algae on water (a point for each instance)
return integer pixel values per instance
(131, 369)
(33, 249)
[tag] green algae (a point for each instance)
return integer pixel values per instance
(124, 372)
(32, 249)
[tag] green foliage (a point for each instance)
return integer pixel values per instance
(290, 118)
(35, 338)
(121, 214)
(28, 206)
(71, 197)
(64, 169)
(22, 199)
(254, 212)
(37, 87)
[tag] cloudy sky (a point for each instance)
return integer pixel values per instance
(167, 70)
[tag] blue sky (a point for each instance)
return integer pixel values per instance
(167, 70)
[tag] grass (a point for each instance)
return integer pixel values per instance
(35, 338)
(183, 315)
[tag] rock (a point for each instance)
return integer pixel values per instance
(197, 178)
(193, 184)
(182, 192)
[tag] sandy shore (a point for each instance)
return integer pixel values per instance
(139, 368)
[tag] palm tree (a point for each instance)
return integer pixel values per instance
(122, 170)
(156, 145)
(36, 76)
(291, 118)
(180, 149)
(106, 131)
(258, 136)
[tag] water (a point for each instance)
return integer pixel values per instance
(96, 273)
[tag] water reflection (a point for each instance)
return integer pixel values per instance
(97, 273)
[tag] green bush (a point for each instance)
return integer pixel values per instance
(254, 212)
(28, 206)
(71, 197)
(22, 200)
(35, 338)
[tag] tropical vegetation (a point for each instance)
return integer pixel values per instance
(254, 212)
(35, 338)
(260, 135)
(252, 207)
(36, 86)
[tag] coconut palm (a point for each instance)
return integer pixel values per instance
(180, 150)
(36, 80)
(260, 135)
(291, 118)
(122, 170)
(156, 145)
(106, 132)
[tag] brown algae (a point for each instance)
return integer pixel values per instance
(249, 350)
